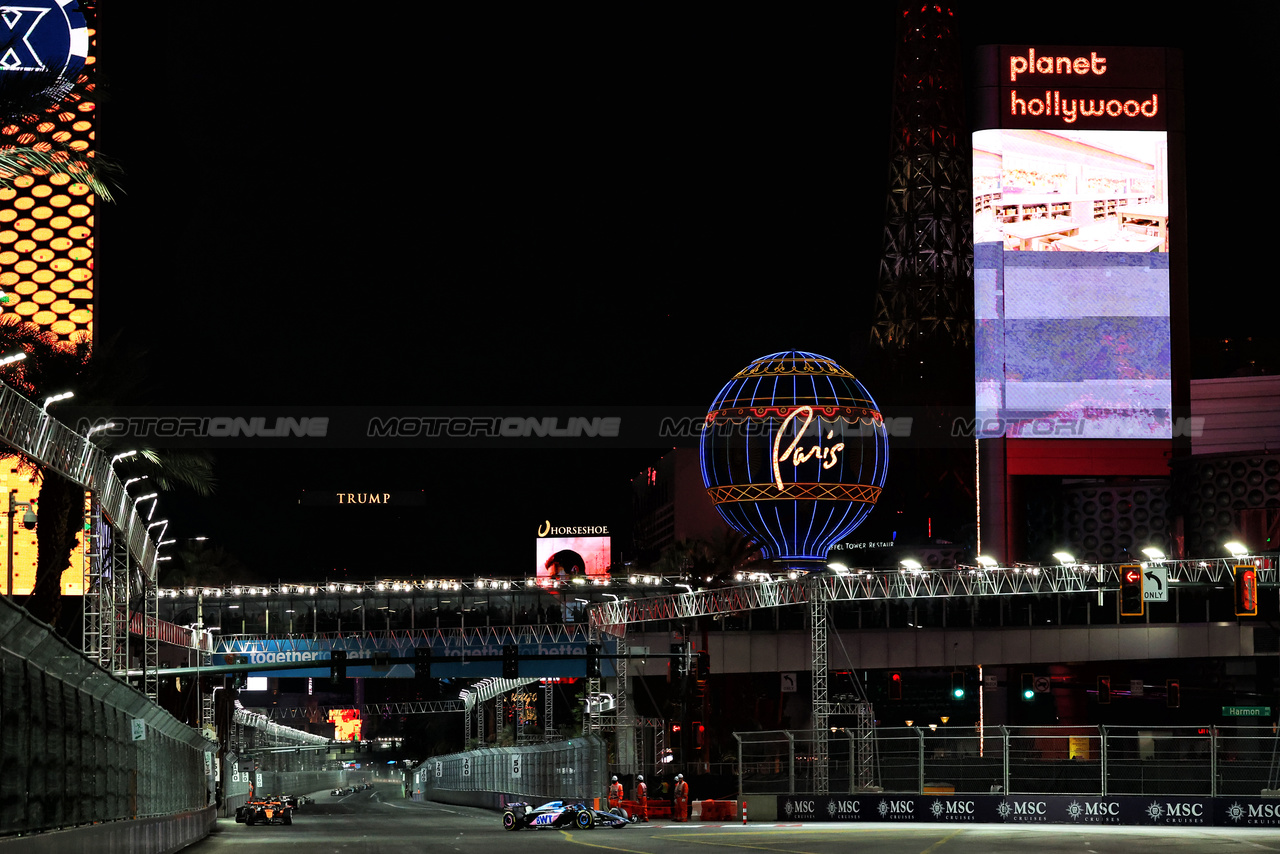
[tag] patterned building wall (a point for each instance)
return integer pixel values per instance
(46, 273)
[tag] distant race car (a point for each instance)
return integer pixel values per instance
(267, 809)
(561, 814)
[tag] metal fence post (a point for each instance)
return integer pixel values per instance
(1213, 762)
(738, 739)
(791, 763)
(1102, 736)
(1004, 741)
(920, 758)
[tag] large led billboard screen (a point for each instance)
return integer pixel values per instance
(575, 551)
(1072, 237)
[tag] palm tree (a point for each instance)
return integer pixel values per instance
(99, 375)
(712, 562)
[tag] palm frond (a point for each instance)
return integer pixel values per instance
(192, 469)
(19, 161)
(31, 146)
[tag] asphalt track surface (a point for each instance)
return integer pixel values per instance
(378, 821)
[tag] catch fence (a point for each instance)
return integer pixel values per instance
(1085, 760)
(571, 770)
(80, 746)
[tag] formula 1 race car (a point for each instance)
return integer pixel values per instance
(560, 814)
(267, 809)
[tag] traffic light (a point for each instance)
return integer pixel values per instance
(1104, 689)
(1173, 694)
(678, 666)
(510, 661)
(1028, 687)
(895, 685)
(1131, 602)
(1246, 591)
(957, 685)
(704, 665)
(593, 661)
(422, 663)
(337, 666)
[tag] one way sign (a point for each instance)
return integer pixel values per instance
(1155, 584)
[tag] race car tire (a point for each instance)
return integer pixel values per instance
(249, 820)
(622, 814)
(288, 818)
(509, 821)
(584, 820)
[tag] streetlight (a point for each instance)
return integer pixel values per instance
(1064, 558)
(118, 457)
(1237, 549)
(55, 398)
(12, 357)
(1153, 554)
(987, 562)
(99, 427)
(28, 522)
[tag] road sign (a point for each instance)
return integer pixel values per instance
(1041, 684)
(788, 683)
(1155, 584)
(1246, 711)
(515, 765)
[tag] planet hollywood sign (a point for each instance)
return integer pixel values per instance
(1119, 810)
(1114, 88)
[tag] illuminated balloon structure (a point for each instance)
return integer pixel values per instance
(794, 454)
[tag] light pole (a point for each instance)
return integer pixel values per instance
(28, 522)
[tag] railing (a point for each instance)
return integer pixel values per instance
(1086, 760)
(44, 440)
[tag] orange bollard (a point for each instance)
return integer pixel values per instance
(744, 812)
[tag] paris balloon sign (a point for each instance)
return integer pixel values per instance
(794, 454)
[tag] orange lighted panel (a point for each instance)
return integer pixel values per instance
(46, 230)
(23, 548)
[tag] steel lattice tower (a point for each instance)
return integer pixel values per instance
(925, 287)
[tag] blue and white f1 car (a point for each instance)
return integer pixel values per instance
(561, 814)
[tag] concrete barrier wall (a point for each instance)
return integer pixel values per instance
(140, 836)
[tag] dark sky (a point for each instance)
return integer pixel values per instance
(384, 207)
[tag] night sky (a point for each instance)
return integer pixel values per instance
(564, 207)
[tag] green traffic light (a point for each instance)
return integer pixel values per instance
(958, 693)
(1028, 694)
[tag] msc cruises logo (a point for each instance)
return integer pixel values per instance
(42, 35)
